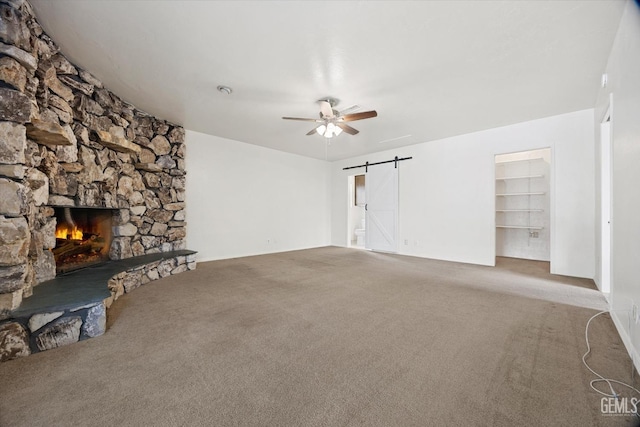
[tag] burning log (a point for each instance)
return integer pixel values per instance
(75, 247)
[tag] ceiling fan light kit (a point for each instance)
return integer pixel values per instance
(332, 122)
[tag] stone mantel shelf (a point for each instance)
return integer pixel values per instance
(88, 285)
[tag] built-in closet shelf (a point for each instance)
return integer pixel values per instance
(507, 178)
(519, 210)
(520, 160)
(524, 227)
(522, 194)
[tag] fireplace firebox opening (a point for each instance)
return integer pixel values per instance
(83, 237)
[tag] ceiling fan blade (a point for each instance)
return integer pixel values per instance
(313, 131)
(349, 110)
(359, 116)
(303, 119)
(325, 109)
(348, 129)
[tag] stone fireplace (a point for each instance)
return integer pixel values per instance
(71, 149)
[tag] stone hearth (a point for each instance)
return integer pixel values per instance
(67, 141)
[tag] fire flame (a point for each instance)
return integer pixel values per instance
(66, 232)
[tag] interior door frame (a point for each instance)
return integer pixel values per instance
(606, 201)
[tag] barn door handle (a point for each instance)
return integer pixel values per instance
(365, 207)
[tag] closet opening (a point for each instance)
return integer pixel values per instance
(523, 205)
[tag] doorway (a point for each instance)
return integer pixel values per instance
(523, 205)
(356, 224)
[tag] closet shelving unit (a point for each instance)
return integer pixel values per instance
(518, 196)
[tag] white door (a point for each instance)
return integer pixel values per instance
(381, 187)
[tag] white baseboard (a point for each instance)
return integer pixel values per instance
(626, 339)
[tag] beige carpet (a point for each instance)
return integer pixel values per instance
(331, 337)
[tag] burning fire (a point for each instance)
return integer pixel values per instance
(66, 232)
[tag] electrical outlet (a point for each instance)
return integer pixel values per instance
(534, 234)
(406, 241)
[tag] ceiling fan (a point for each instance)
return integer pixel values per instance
(332, 122)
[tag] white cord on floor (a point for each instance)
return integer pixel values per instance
(600, 377)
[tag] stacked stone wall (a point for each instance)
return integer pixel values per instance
(66, 140)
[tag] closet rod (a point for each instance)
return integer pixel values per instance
(366, 165)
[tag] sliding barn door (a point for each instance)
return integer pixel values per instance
(382, 208)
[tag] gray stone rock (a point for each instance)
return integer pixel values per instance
(90, 195)
(89, 78)
(63, 183)
(37, 321)
(59, 88)
(34, 154)
(39, 185)
(137, 248)
(166, 162)
(14, 106)
(62, 108)
(48, 133)
(14, 241)
(146, 156)
(125, 230)
(14, 200)
(12, 171)
(160, 128)
(85, 105)
(138, 210)
(61, 201)
(132, 280)
(151, 180)
(153, 274)
(25, 59)
(96, 322)
(62, 65)
(12, 278)
(12, 73)
(45, 266)
(177, 233)
(165, 267)
(13, 29)
(176, 135)
(72, 167)
(180, 152)
(77, 84)
(178, 183)
(174, 206)
(143, 126)
(180, 216)
(158, 229)
(160, 145)
(62, 332)
(91, 172)
(14, 341)
(125, 186)
(68, 153)
(179, 269)
(136, 198)
(120, 248)
(103, 97)
(160, 215)
(149, 242)
(48, 231)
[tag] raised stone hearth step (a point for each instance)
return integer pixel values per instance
(73, 307)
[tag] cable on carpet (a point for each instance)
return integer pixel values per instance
(600, 378)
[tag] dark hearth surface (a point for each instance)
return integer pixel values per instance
(88, 285)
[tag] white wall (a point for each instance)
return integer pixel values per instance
(624, 83)
(447, 192)
(246, 200)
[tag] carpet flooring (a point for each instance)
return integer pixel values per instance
(332, 337)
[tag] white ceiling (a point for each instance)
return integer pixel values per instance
(431, 69)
